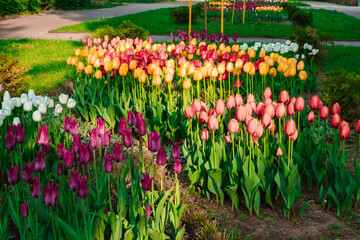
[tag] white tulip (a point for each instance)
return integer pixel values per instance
(31, 93)
(58, 109)
(302, 56)
(28, 106)
(46, 100)
(63, 98)
(16, 121)
(6, 111)
(42, 108)
(17, 102)
(310, 47)
(287, 42)
(23, 98)
(7, 96)
(71, 103)
(36, 101)
(51, 103)
(36, 116)
(297, 56)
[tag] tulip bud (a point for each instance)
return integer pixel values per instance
(314, 102)
(177, 166)
(290, 127)
(279, 152)
(204, 134)
(148, 210)
(146, 181)
(24, 210)
(227, 139)
(324, 112)
(189, 112)
(336, 109)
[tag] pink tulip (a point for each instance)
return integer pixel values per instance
(249, 109)
(284, 97)
(227, 139)
(311, 116)
(238, 100)
(233, 126)
(260, 108)
(299, 104)
(213, 123)
(290, 127)
(204, 134)
(294, 136)
(189, 112)
(336, 109)
(267, 93)
(280, 110)
(203, 117)
(266, 120)
(335, 120)
(220, 107)
(230, 102)
(259, 131)
(279, 152)
(357, 126)
(251, 126)
(241, 113)
(270, 109)
(268, 101)
(204, 107)
(250, 98)
(291, 109)
(314, 102)
(197, 105)
(324, 112)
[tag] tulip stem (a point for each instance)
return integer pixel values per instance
(12, 158)
(343, 151)
(289, 160)
(109, 187)
(52, 220)
(77, 221)
(233, 145)
(161, 176)
(95, 170)
(86, 232)
(170, 96)
(213, 140)
(36, 223)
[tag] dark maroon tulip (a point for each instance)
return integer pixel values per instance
(154, 141)
(146, 181)
(39, 162)
(101, 127)
(94, 139)
(175, 154)
(20, 133)
(74, 181)
(148, 210)
(50, 194)
(67, 124)
(83, 187)
(177, 166)
(10, 139)
(161, 157)
(76, 143)
(13, 175)
(74, 130)
(36, 189)
(105, 140)
(131, 118)
(84, 153)
(69, 159)
(106, 211)
(139, 117)
(108, 164)
(60, 151)
(60, 169)
(43, 138)
(28, 172)
(46, 149)
(122, 125)
(128, 140)
(24, 210)
(117, 153)
(141, 129)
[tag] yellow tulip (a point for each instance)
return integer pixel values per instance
(115, 63)
(98, 74)
(168, 48)
(242, 52)
(235, 48)
(292, 71)
(190, 56)
(281, 67)
(302, 75)
(80, 66)
(168, 78)
(97, 63)
(123, 70)
(183, 54)
(213, 72)
(221, 68)
(170, 63)
(156, 81)
(270, 62)
(68, 61)
(204, 72)
(157, 71)
(252, 70)
(238, 63)
(191, 70)
(182, 72)
(198, 75)
(137, 72)
(272, 72)
(77, 52)
(300, 66)
(132, 65)
(108, 67)
(142, 77)
(247, 67)
(237, 71)
(107, 59)
(187, 84)
(262, 54)
(88, 69)
(230, 67)
(74, 61)
(207, 64)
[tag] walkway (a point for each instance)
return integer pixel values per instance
(349, 10)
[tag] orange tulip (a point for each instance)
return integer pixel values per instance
(187, 83)
(77, 52)
(137, 72)
(107, 59)
(97, 63)
(142, 77)
(170, 63)
(198, 75)
(168, 78)
(74, 61)
(213, 72)
(239, 63)
(242, 52)
(230, 67)
(272, 72)
(191, 70)
(80, 66)
(157, 71)
(98, 74)
(300, 66)
(182, 72)
(108, 67)
(221, 68)
(88, 69)
(156, 81)
(262, 54)
(235, 48)
(247, 67)
(132, 65)
(68, 61)
(123, 70)
(115, 63)
(302, 75)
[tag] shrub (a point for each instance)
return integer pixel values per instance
(125, 30)
(33, 5)
(343, 87)
(12, 6)
(69, 4)
(302, 18)
(181, 14)
(12, 75)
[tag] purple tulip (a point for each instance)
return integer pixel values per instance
(108, 164)
(67, 124)
(43, 137)
(60, 168)
(76, 143)
(60, 151)
(24, 210)
(94, 139)
(154, 141)
(39, 162)
(175, 154)
(177, 166)
(101, 127)
(46, 149)
(141, 129)
(146, 181)
(161, 157)
(13, 175)
(83, 187)
(28, 172)
(50, 194)
(10, 139)
(69, 159)
(105, 140)
(122, 125)
(74, 181)
(127, 138)
(148, 210)
(131, 118)
(36, 189)
(84, 153)
(139, 117)
(20, 133)
(117, 153)
(74, 130)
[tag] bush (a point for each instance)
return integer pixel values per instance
(12, 6)
(33, 5)
(181, 14)
(125, 30)
(70, 4)
(12, 76)
(302, 18)
(343, 87)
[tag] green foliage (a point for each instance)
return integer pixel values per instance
(302, 18)
(343, 87)
(181, 14)
(126, 29)
(12, 6)
(66, 4)
(33, 5)
(12, 75)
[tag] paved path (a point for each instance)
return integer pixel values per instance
(38, 26)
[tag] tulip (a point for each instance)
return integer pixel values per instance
(20, 133)
(299, 104)
(105, 140)
(138, 118)
(39, 162)
(76, 143)
(241, 113)
(28, 172)
(279, 152)
(36, 189)
(24, 210)
(294, 136)
(233, 126)
(357, 126)
(131, 118)
(28, 106)
(213, 123)
(13, 174)
(335, 120)
(74, 130)
(314, 102)
(69, 159)
(10, 138)
(83, 187)
(260, 109)
(154, 141)
(238, 100)
(336, 109)
(280, 110)
(267, 93)
(161, 157)
(60, 151)
(189, 112)
(230, 102)
(94, 142)
(324, 112)
(122, 125)
(251, 126)
(227, 139)
(250, 98)
(290, 127)
(220, 107)
(266, 120)
(344, 130)
(43, 138)
(60, 169)
(311, 116)
(211, 112)
(108, 164)
(177, 166)
(284, 97)
(67, 124)
(291, 109)
(84, 153)
(175, 154)
(16, 121)
(128, 140)
(141, 129)
(204, 134)
(117, 153)
(71, 103)
(146, 181)
(148, 210)
(196, 105)
(63, 98)
(101, 127)
(42, 108)
(203, 117)
(58, 109)
(74, 181)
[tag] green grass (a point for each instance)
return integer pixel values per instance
(160, 22)
(46, 59)
(142, 1)
(342, 57)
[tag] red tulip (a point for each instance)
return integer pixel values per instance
(219, 107)
(161, 157)
(320, 105)
(237, 83)
(204, 134)
(299, 104)
(335, 120)
(189, 112)
(230, 102)
(108, 164)
(203, 117)
(336, 109)
(213, 123)
(212, 112)
(291, 109)
(314, 102)
(290, 127)
(284, 97)
(280, 110)
(311, 116)
(117, 153)
(324, 112)
(357, 126)
(260, 108)
(238, 100)
(175, 153)
(196, 105)
(279, 152)
(293, 100)
(154, 141)
(267, 93)
(344, 130)
(233, 126)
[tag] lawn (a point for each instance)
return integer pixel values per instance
(160, 22)
(46, 58)
(342, 57)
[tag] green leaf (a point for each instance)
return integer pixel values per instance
(304, 207)
(180, 234)
(155, 235)
(66, 227)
